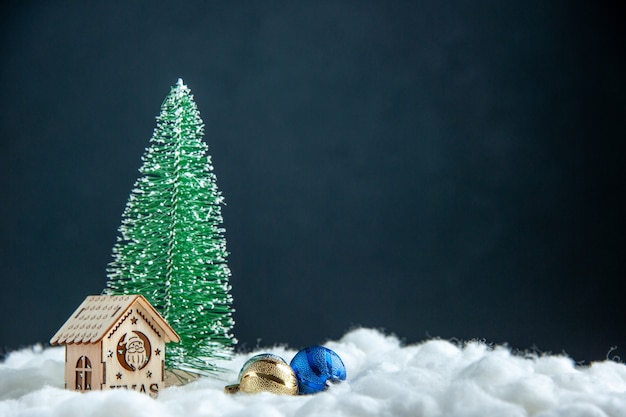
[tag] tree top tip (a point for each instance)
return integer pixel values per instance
(180, 88)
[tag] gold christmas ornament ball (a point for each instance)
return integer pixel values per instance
(266, 373)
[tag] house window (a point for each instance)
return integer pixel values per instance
(83, 374)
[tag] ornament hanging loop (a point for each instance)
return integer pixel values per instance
(231, 389)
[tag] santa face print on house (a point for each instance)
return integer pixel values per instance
(133, 351)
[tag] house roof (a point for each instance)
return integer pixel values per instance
(99, 314)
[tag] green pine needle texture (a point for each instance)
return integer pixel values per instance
(171, 248)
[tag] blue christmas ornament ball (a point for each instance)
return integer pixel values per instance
(317, 367)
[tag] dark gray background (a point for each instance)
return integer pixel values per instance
(450, 169)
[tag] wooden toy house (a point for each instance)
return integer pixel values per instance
(115, 341)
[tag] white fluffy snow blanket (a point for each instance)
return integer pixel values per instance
(385, 378)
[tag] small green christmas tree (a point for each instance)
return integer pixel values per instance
(172, 248)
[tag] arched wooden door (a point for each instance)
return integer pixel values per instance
(83, 374)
